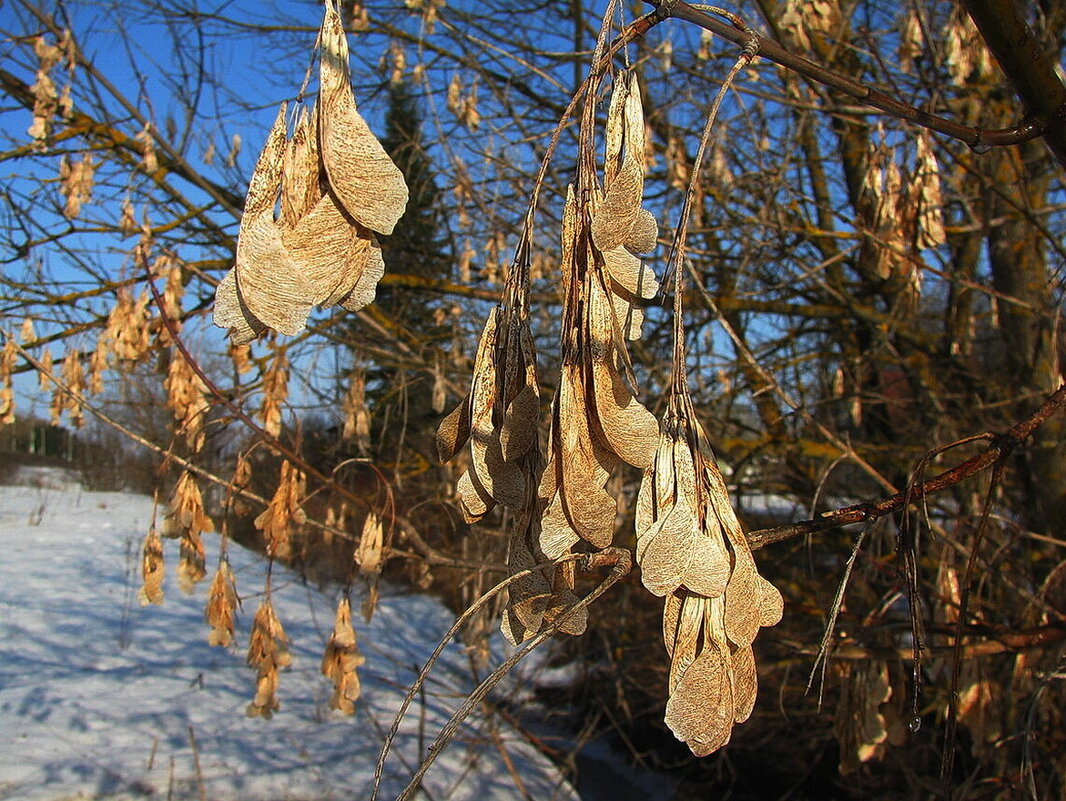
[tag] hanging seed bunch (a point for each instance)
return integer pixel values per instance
(285, 515)
(72, 377)
(337, 187)
(369, 556)
(268, 651)
(145, 139)
(76, 183)
(7, 386)
(884, 193)
(356, 427)
(597, 422)
(153, 569)
(187, 519)
(187, 397)
(498, 419)
(926, 187)
(125, 337)
(241, 480)
(865, 721)
(341, 660)
(47, 101)
(222, 605)
(692, 550)
(275, 392)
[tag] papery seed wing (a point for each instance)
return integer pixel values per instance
(685, 473)
(557, 534)
(742, 595)
(563, 600)
(665, 552)
(519, 432)
(689, 637)
(708, 570)
(268, 280)
(329, 252)
(367, 182)
(454, 431)
(745, 683)
(665, 472)
(630, 318)
(615, 133)
(631, 431)
(700, 709)
(771, 604)
(249, 301)
(644, 235)
(616, 214)
(671, 619)
(365, 289)
(504, 481)
(265, 182)
(589, 507)
(474, 500)
(645, 507)
(528, 596)
(300, 188)
(630, 273)
(231, 312)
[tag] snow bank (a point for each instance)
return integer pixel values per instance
(103, 699)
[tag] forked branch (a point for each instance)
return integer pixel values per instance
(1000, 448)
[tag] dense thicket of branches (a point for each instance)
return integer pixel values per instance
(863, 291)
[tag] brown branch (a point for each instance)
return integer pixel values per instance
(1004, 643)
(1029, 128)
(997, 453)
(1026, 65)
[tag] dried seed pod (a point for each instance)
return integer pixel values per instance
(860, 726)
(275, 392)
(76, 183)
(185, 512)
(369, 553)
(192, 561)
(187, 397)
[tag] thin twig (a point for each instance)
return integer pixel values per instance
(997, 452)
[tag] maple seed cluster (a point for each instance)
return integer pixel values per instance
(337, 187)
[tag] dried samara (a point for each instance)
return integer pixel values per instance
(337, 187)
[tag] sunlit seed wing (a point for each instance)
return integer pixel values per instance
(367, 182)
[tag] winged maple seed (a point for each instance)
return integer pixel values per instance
(337, 186)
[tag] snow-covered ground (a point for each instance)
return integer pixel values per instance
(103, 699)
